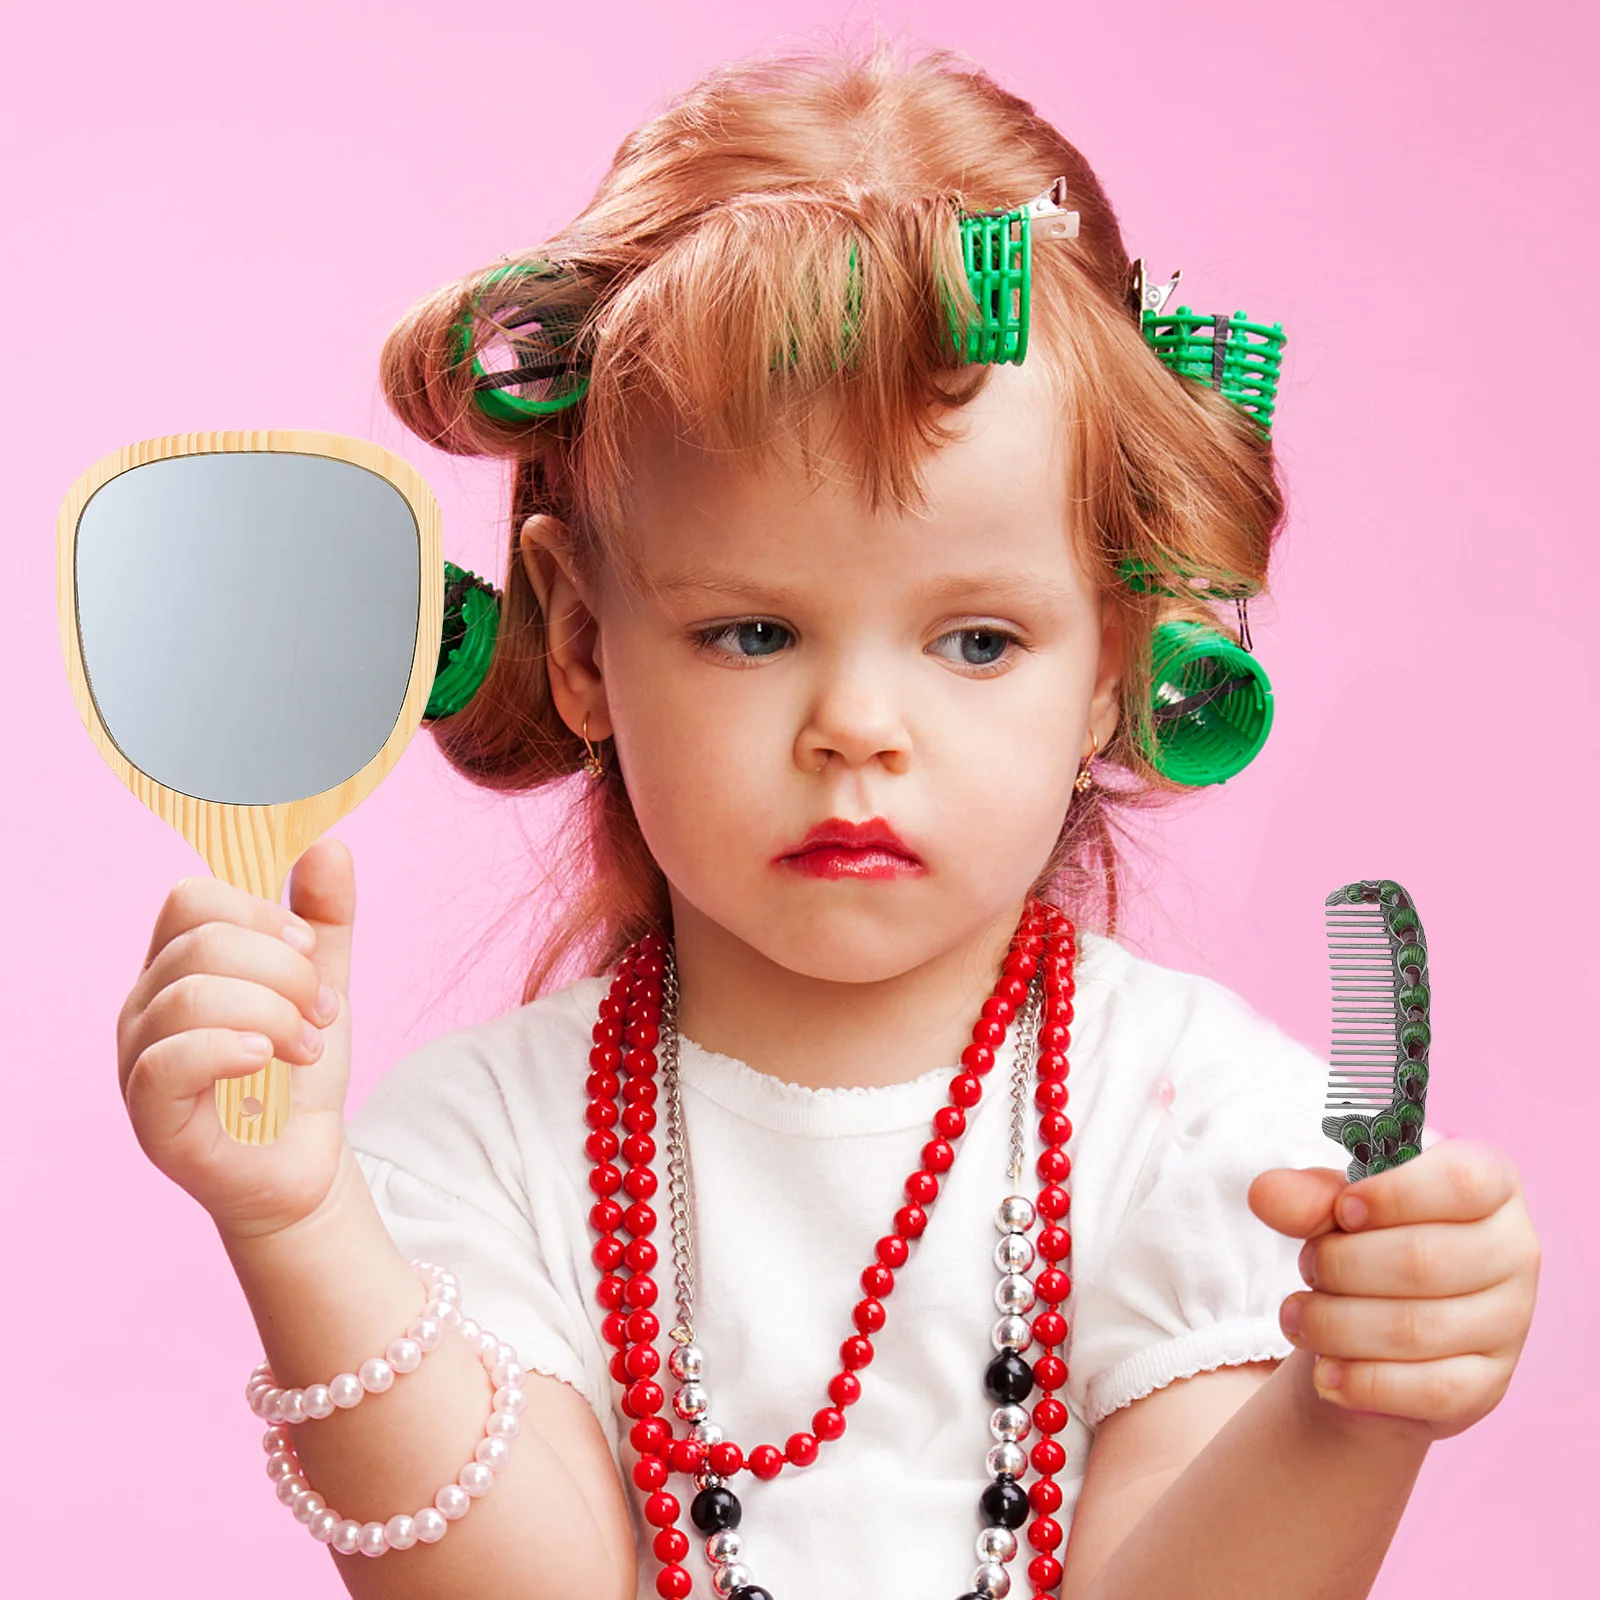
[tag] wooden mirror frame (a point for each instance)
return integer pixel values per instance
(253, 847)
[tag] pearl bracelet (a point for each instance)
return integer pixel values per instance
(376, 1374)
(453, 1500)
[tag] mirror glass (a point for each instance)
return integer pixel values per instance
(248, 620)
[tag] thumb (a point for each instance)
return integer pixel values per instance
(322, 889)
(1297, 1201)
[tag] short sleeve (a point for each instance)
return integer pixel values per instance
(503, 1282)
(1185, 1278)
(454, 1148)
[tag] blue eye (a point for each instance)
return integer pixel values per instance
(748, 639)
(978, 647)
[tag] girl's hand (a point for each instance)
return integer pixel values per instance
(1422, 1283)
(224, 967)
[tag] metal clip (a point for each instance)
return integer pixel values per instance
(1144, 296)
(1050, 214)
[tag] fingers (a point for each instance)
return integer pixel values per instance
(1450, 1394)
(171, 1080)
(1357, 1329)
(194, 902)
(1426, 1258)
(220, 975)
(1421, 1301)
(203, 1006)
(322, 889)
(1297, 1201)
(1457, 1180)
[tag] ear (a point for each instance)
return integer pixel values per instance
(572, 636)
(1103, 704)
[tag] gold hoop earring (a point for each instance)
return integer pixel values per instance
(591, 760)
(1084, 782)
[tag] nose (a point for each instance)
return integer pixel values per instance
(855, 717)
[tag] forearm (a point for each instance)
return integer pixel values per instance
(1290, 1498)
(330, 1293)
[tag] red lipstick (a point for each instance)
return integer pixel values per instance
(840, 849)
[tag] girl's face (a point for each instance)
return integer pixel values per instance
(850, 738)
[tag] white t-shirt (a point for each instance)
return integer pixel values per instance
(1180, 1095)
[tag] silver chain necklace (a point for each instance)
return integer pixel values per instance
(680, 1187)
(680, 1184)
(678, 1179)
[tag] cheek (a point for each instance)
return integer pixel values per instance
(1004, 772)
(706, 755)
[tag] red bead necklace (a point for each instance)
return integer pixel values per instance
(623, 1061)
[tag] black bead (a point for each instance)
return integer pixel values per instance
(715, 1509)
(1005, 1503)
(1009, 1379)
(754, 1591)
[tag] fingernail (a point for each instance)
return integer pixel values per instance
(1352, 1212)
(1289, 1317)
(1308, 1264)
(256, 1045)
(327, 1002)
(1327, 1375)
(298, 937)
(312, 1037)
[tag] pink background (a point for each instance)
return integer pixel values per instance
(211, 222)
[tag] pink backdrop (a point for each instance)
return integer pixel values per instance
(211, 222)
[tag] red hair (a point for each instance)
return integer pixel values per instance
(735, 235)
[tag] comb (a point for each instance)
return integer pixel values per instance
(1378, 1067)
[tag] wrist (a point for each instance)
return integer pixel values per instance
(1343, 1428)
(330, 1288)
(346, 1196)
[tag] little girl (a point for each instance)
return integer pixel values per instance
(867, 1223)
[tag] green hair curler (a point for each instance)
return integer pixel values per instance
(1210, 699)
(544, 369)
(1240, 359)
(997, 251)
(1210, 704)
(471, 620)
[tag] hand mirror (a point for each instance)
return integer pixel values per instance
(251, 624)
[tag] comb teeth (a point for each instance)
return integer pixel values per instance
(1365, 1053)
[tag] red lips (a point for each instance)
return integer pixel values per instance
(838, 848)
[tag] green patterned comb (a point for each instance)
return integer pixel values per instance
(1378, 1069)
